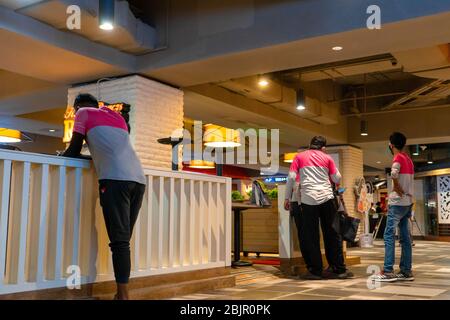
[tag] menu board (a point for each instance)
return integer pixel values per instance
(69, 117)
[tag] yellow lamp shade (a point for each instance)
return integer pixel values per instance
(201, 164)
(10, 136)
(220, 137)
(289, 157)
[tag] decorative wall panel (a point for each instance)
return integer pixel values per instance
(443, 189)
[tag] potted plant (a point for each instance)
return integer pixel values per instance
(236, 196)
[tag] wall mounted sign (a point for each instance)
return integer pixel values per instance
(69, 117)
(443, 191)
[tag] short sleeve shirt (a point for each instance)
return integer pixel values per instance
(108, 139)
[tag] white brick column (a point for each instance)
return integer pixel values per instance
(156, 111)
(351, 166)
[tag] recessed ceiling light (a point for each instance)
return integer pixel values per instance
(379, 162)
(51, 130)
(263, 83)
(337, 48)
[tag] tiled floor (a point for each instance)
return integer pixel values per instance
(431, 266)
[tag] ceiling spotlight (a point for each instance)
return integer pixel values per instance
(378, 162)
(106, 14)
(301, 100)
(51, 130)
(337, 48)
(262, 81)
(364, 128)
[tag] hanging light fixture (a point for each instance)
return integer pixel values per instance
(301, 100)
(416, 150)
(201, 164)
(10, 135)
(364, 128)
(430, 158)
(289, 157)
(364, 125)
(106, 14)
(220, 137)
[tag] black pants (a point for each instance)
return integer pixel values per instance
(296, 211)
(310, 238)
(121, 202)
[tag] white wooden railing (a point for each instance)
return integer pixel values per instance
(50, 219)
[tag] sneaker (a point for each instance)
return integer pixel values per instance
(385, 277)
(404, 276)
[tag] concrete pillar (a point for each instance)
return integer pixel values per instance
(156, 111)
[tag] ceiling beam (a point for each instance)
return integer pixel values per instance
(41, 51)
(33, 102)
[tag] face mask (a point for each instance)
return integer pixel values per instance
(390, 149)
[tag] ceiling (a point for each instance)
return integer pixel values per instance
(383, 71)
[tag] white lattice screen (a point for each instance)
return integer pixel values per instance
(443, 189)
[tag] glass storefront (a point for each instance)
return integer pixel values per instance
(430, 206)
(428, 197)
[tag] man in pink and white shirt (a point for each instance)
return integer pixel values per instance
(317, 171)
(120, 174)
(401, 191)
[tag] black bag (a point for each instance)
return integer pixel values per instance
(259, 197)
(345, 225)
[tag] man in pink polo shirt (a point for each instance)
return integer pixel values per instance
(121, 178)
(317, 171)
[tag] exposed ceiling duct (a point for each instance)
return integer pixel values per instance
(343, 69)
(423, 96)
(130, 34)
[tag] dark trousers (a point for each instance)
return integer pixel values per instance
(121, 202)
(326, 213)
(296, 211)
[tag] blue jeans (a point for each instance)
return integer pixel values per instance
(398, 216)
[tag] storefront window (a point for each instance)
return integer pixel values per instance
(430, 202)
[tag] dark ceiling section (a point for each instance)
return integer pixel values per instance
(438, 153)
(369, 84)
(155, 13)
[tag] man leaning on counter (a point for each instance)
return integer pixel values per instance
(120, 174)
